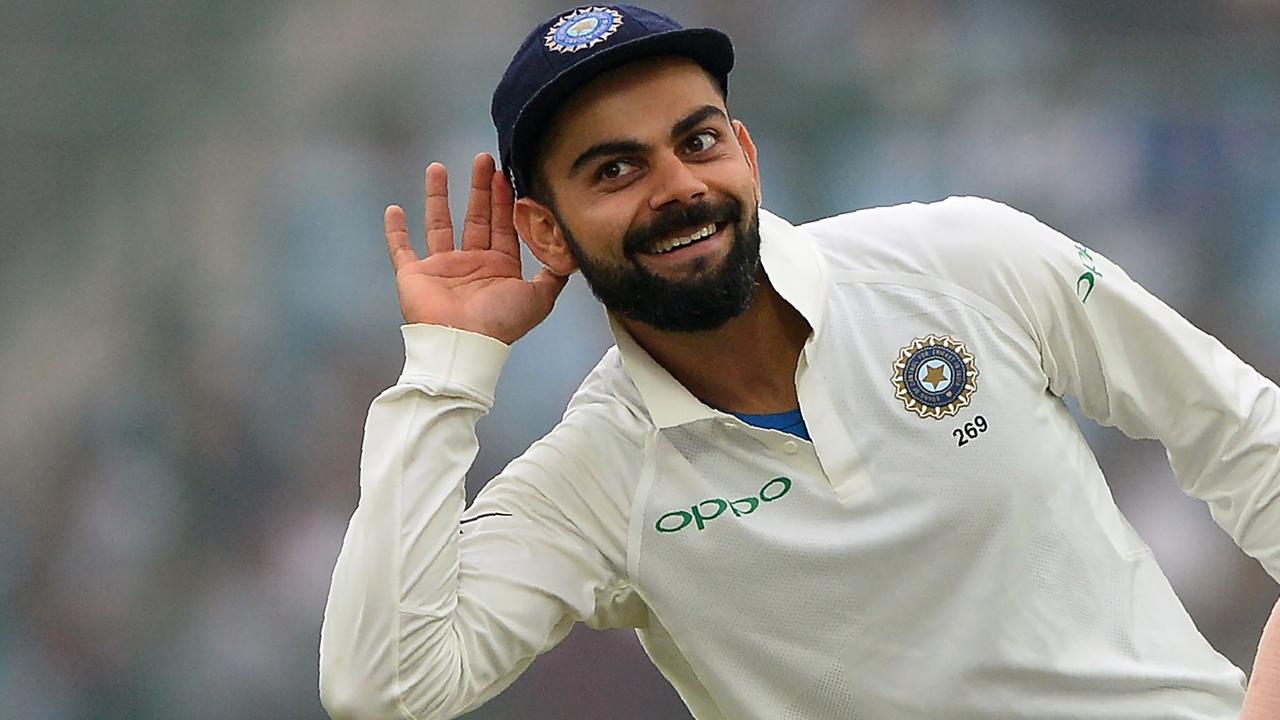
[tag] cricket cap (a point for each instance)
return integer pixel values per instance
(569, 50)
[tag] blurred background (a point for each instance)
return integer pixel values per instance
(196, 306)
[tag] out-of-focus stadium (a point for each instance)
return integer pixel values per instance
(196, 306)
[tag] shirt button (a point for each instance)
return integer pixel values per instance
(729, 425)
(790, 447)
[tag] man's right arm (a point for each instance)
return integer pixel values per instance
(422, 622)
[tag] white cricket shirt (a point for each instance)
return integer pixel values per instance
(946, 547)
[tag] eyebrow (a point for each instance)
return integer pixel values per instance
(625, 147)
(609, 147)
(695, 118)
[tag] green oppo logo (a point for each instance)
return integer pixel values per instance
(1086, 281)
(677, 520)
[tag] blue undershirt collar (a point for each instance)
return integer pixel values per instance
(791, 422)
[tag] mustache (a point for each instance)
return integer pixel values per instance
(669, 222)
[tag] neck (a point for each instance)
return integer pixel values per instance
(747, 365)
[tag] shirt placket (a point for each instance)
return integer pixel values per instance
(843, 467)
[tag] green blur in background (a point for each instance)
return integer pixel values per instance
(196, 307)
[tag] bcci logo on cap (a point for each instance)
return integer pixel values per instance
(583, 28)
(935, 376)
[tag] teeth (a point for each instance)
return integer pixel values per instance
(673, 243)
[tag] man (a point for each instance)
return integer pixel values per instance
(825, 473)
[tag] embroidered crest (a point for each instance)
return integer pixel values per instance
(583, 28)
(935, 376)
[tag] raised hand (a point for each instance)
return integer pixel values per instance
(480, 287)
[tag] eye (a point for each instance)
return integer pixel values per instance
(614, 169)
(701, 141)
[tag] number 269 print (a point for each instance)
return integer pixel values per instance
(970, 431)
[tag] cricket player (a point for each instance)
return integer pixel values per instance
(826, 472)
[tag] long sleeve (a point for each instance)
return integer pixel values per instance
(430, 615)
(1132, 363)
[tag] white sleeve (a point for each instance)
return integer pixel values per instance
(1132, 363)
(430, 615)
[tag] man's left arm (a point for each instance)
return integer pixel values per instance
(1134, 363)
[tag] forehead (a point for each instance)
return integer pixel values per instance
(632, 101)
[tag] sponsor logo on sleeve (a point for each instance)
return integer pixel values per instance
(1090, 276)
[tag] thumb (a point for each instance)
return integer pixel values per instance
(546, 288)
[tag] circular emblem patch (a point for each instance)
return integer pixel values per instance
(935, 376)
(583, 28)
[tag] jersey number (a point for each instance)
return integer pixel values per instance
(970, 431)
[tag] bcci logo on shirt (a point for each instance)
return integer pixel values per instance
(583, 28)
(935, 376)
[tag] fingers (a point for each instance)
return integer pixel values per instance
(503, 204)
(475, 229)
(398, 245)
(439, 225)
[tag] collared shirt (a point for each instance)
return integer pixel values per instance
(946, 546)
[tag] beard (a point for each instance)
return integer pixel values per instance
(707, 299)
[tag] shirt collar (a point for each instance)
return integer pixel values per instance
(796, 270)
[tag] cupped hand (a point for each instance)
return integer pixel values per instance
(479, 287)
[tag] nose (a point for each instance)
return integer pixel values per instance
(675, 181)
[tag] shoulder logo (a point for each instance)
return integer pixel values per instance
(583, 28)
(1090, 276)
(935, 376)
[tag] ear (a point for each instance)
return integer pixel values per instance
(540, 230)
(749, 151)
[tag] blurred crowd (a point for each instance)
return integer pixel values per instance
(196, 308)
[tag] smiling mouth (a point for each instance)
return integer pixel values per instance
(675, 243)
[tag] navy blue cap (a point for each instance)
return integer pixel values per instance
(567, 51)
